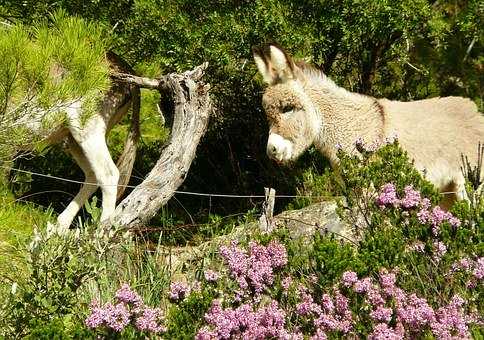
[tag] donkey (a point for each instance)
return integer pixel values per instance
(304, 107)
(86, 142)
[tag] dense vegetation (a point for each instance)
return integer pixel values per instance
(406, 50)
(413, 269)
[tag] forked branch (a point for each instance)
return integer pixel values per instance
(192, 106)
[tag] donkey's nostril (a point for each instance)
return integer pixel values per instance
(273, 149)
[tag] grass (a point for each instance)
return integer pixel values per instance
(17, 220)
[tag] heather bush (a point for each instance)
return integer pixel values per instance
(47, 292)
(128, 314)
(415, 271)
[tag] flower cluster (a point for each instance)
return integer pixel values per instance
(255, 269)
(178, 291)
(412, 199)
(395, 313)
(331, 315)
(473, 268)
(244, 322)
(128, 309)
(412, 314)
(211, 276)
(361, 146)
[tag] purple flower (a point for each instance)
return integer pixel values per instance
(423, 215)
(478, 271)
(256, 269)
(387, 196)
(387, 280)
(211, 276)
(439, 250)
(362, 286)
(244, 322)
(116, 317)
(307, 306)
(425, 203)
(127, 295)
(327, 303)
(97, 316)
(383, 332)
(286, 283)
(411, 199)
(341, 302)
(236, 259)
(149, 320)
(206, 334)
(415, 312)
(382, 314)
(349, 278)
(178, 291)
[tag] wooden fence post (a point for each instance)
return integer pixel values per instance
(266, 221)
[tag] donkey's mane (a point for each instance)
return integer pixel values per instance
(316, 76)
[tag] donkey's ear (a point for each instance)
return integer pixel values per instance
(282, 64)
(263, 65)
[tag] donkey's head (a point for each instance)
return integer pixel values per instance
(293, 119)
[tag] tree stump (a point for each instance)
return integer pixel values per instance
(191, 110)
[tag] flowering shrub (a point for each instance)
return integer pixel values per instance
(178, 291)
(244, 321)
(390, 311)
(254, 270)
(129, 309)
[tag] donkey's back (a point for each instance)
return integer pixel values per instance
(436, 132)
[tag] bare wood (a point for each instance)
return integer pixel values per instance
(126, 160)
(136, 80)
(266, 221)
(192, 107)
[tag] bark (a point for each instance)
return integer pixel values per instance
(192, 107)
(126, 160)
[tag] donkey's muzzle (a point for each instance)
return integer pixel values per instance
(279, 148)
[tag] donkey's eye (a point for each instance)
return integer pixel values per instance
(287, 108)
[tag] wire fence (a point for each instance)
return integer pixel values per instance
(190, 193)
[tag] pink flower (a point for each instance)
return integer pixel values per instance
(178, 291)
(286, 283)
(244, 322)
(382, 314)
(256, 269)
(387, 196)
(387, 280)
(149, 320)
(383, 332)
(127, 295)
(411, 199)
(439, 250)
(349, 278)
(116, 317)
(362, 286)
(211, 276)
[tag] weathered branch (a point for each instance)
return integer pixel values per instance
(192, 107)
(140, 81)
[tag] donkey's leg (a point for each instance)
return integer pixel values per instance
(107, 174)
(67, 216)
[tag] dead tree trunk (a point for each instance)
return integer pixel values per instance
(192, 107)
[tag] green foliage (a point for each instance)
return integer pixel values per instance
(401, 50)
(57, 266)
(46, 66)
(186, 318)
